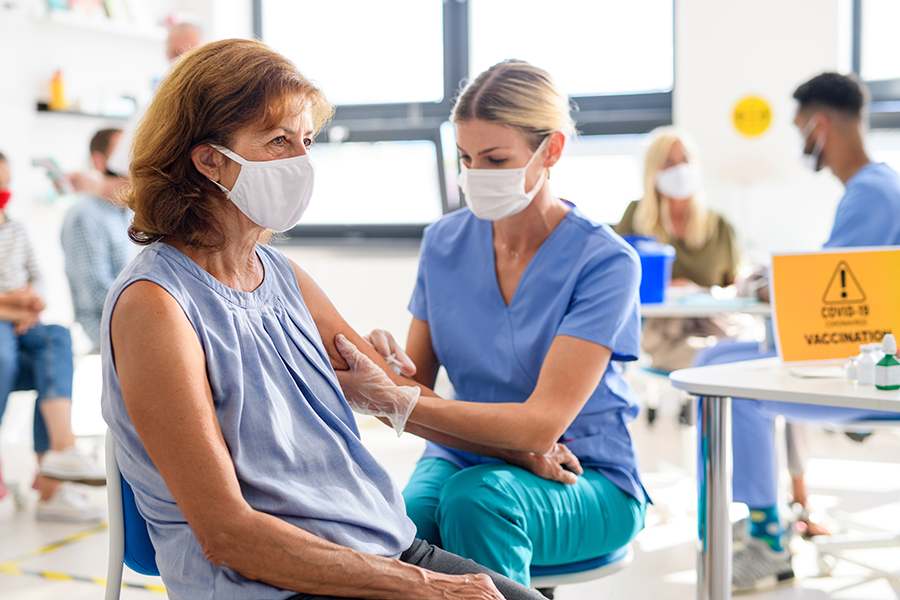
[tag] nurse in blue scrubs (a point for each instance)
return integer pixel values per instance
(529, 306)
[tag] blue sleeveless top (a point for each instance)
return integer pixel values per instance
(582, 282)
(293, 439)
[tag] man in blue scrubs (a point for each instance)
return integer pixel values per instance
(830, 118)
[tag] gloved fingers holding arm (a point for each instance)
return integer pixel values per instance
(370, 392)
(390, 350)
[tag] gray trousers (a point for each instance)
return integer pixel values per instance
(422, 554)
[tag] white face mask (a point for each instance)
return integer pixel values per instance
(494, 194)
(813, 160)
(271, 193)
(679, 182)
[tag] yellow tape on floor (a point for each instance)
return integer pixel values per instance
(12, 567)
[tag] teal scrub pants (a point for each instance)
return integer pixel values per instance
(506, 518)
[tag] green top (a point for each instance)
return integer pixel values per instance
(716, 263)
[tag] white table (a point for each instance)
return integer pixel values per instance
(704, 305)
(764, 379)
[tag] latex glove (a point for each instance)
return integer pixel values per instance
(390, 350)
(369, 391)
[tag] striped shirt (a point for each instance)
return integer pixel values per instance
(18, 263)
(96, 247)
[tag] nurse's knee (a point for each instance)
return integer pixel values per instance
(477, 491)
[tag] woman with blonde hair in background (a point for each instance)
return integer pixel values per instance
(706, 250)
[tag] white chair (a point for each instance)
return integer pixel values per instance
(859, 536)
(129, 541)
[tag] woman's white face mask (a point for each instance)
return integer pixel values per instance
(272, 193)
(679, 182)
(494, 194)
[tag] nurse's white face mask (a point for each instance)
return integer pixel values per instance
(679, 182)
(272, 193)
(494, 194)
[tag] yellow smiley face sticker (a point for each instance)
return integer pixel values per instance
(752, 116)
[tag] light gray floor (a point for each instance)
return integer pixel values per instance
(863, 479)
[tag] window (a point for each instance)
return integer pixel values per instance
(393, 182)
(367, 57)
(875, 46)
(609, 47)
(393, 68)
(601, 174)
(879, 43)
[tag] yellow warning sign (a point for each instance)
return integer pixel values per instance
(826, 304)
(752, 116)
(843, 287)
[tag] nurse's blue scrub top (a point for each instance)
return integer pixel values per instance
(582, 282)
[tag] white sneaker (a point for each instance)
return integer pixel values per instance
(68, 503)
(757, 567)
(72, 464)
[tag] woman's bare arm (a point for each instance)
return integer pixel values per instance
(548, 463)
(162, 371)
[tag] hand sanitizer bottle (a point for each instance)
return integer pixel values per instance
(887, 371)
(865, 366)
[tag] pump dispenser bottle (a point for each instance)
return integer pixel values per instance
(887, 371)
(865, 366)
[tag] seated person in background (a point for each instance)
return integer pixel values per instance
(830, 118)
(95, 239)
(39, 357)
(706, 250)
(231, 427)
(528, 305)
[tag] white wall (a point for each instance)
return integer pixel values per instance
(728, 50)
(98, 62)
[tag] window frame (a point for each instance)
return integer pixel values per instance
(884, 108)
(634, 113)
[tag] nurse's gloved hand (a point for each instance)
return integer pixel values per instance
(369, 391)
(390, 350)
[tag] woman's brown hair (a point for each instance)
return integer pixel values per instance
(211, 94)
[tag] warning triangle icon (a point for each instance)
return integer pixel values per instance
(843, 287)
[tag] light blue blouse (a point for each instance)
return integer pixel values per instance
(293, 439)
(582, 282)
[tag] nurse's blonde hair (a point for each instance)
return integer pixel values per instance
(517, 94)
(651, 215)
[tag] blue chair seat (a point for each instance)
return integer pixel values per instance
(586, 570)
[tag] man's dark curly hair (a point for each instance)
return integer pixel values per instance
(843, 93)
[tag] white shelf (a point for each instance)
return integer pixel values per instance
(102, 25)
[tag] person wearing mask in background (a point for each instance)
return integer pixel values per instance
(182, 37)
(706, 249)
(219, 355)
(39, 357)
(529, 306)
(95, 240)
(829, 117)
